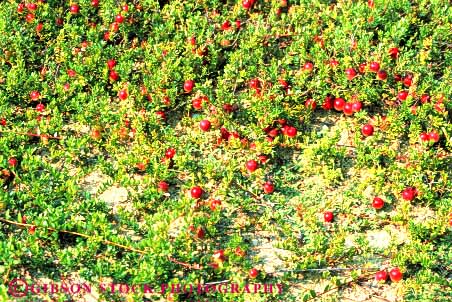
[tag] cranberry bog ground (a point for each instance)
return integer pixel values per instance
(255, 150)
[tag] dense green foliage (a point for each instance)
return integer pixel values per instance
(252, 83)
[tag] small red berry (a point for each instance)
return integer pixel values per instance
(282, 121)
(378, 203)
(197, 103)
(34, 95)
(20, 7)
(381, 276)
(394, 52)
(119, 18)
(348, 108)
(166, 100)
(170, 152)
(196, 192)
(291, 131)
(356, 106)
(114, 76)
(71, 73)
(188, 85)
(367, 130)
(122, 94)
(94, 3)
(284, 129)
(328, 216)
(425, 137)
(239, 252)
(425, 98)
(255, 83)
(402, 95)
(263, 158)
(350, 73)
(214, 204)
(12, 162)
(273, 132)
(268, 187)
(204, 125)
(283, 83)
(29, 18)
(253, 273)
(39, 27)
(395, 274)
(161, 115)
(219, 256)
(362, 67)
(328, 103)
(382, 75)
(251, 165)
(247, 4)
(339, 104)
(308, 66)
(200, 233)
(114, 27)
(374, 66)
(226, 25)
(334, 63)
(74, 9)
(111, 64)
(95, 134)
(310, 104)
(409, 193)
(32, 6)
(163, 186)
(32, 230)
(40, 107)
(407, 81)
(434, 136)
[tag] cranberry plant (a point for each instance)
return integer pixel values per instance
(160, 142)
